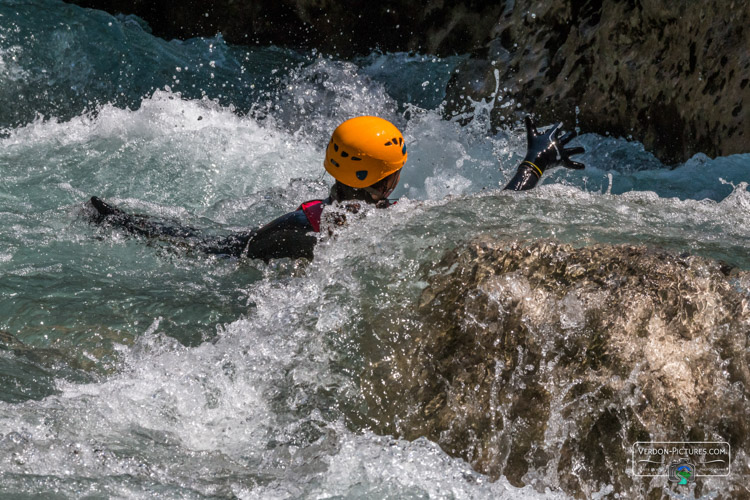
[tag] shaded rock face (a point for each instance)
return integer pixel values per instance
(673, 75)
(345, 28)
(546, 363)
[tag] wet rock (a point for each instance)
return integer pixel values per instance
(21, 379)
(675, 76)
(29, 372)
(545, 363)
(345, 28)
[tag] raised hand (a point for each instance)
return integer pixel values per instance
(545, 150)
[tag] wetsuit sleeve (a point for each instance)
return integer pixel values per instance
(287, 236)
(140, 225)
(524, 179)
(290, 235)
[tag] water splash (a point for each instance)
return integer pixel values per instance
(141, 370)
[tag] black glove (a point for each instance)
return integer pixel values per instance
(545, 150)
(105, 209)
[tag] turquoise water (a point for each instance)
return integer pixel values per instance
(131, 369)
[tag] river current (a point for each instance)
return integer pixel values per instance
(132, 369)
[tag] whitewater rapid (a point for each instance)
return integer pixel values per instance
(138, 370)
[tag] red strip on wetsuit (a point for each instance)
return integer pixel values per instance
(313, 210)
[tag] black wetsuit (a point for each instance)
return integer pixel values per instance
(525, 178)
(292, 235)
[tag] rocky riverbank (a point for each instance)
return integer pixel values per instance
(545, 363)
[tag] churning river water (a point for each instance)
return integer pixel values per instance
(131, 369)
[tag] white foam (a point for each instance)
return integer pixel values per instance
(192, 151)
(10, 69)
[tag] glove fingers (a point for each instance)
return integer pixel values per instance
(104, 208)
(573, 151)
(568, 137)
(555, 131)
(568, 163)
(530, 127)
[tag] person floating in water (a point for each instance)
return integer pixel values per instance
(365, 156)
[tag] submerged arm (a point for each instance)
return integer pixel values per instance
(170, 232)
(286, 236)
(543, 151)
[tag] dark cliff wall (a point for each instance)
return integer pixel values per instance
(344, 28)
(673, 75)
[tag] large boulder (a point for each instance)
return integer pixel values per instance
(546, 363)
(673, 75)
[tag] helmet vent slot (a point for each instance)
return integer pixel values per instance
(361, 174)
(335, 147)
(344, 154)
(334, 162)
(356, 158)
(389, 143)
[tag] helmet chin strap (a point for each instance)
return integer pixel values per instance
(376, 195)
(388, 184)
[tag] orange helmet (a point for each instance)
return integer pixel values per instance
(364, 150)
